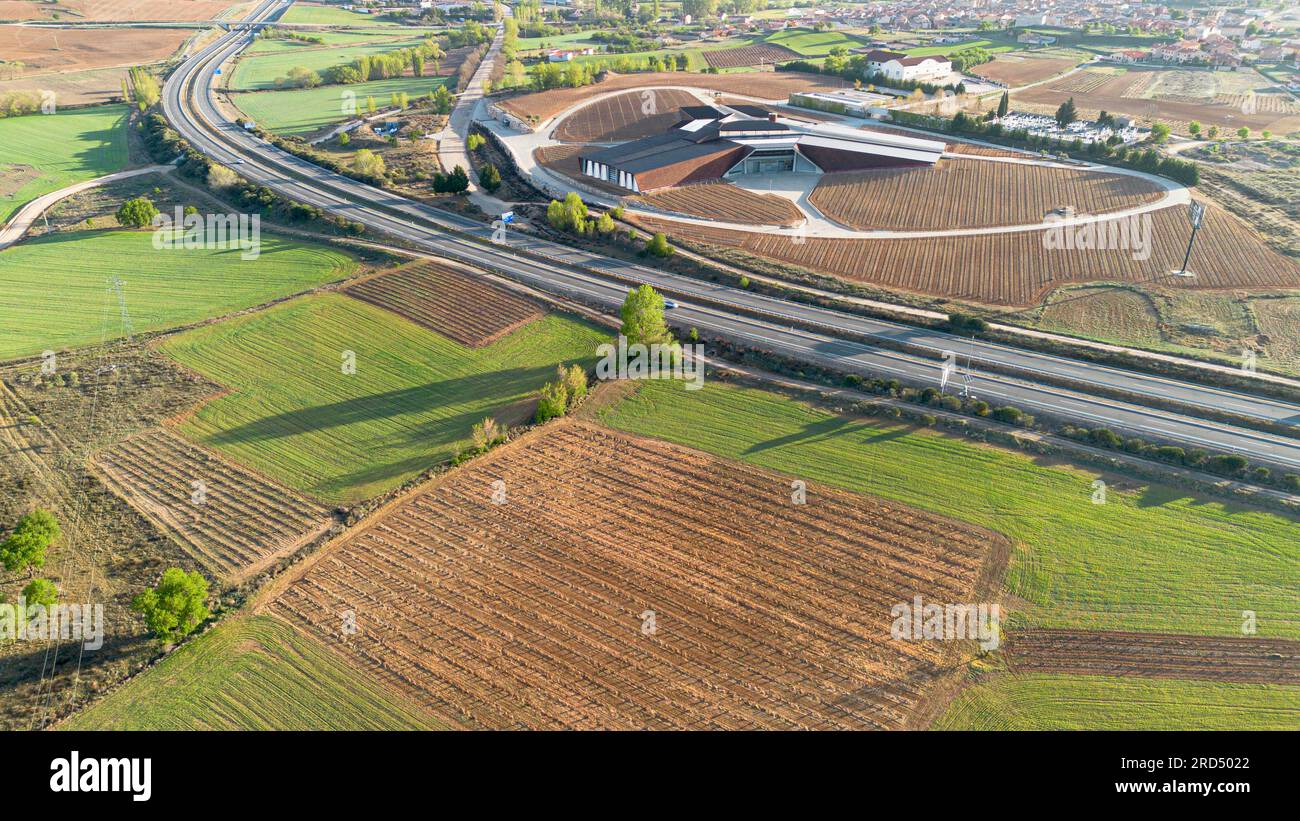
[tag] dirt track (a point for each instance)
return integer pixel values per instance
(1153, 655)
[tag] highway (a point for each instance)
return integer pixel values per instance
(763, 321)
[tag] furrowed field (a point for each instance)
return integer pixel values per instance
(293, 415)
(727, 203)
(624, 117)
(255, 673)
(41, 153)
(1058, 702)
(53, 290)
(1152, 558)
(302, 111)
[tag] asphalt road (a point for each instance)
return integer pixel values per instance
(189, 107)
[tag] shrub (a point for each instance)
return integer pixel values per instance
(176, 606)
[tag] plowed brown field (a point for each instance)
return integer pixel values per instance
(1017, 268)
(454, 304)
(115, 10)
(972, 194)
(724, 201)
(1153, 655)
(532, 613)
(243, 522)
(768, 85)
(749, 56)
(50, 49)
(624, 117)
(1019, 71)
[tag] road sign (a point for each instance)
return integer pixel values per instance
(1196, 213)
(218, 71)
(507, 217)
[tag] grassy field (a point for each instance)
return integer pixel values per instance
(53, 289)
(814, 43)
(261, 72)
(302, 111)
(65, 148)
(293, 415)
(1152, 558)
(1061, 702)
(330, 16)
(254, 673)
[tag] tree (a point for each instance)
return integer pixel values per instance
(136, 213)
(42, 592)
(1159, 132)
(1067, 113)
(489, 177)
(371, 107)
(368, 163)
(25, 548)
(441, 100)
(458, 181)
(552, 402)
(567, 215)
(344, 139)
(1213, 133)
(643, 317)
(574, 380)
(1194, 128)
(176, 606)
(488, 433)
(1243, 132)
(474, 141)
(657, 246)
(1004, 104)
(605, 224)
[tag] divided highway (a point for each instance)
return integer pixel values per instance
(189, 105)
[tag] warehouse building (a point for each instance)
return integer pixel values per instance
(716, 143)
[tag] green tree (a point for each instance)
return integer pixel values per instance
(657, 246)
(1066, 113)
(1004, 104)
(136, 213)
(574, 380)
(643, 317)
(1194, 128)
(1243, 132)
(368, 163)
(25, 548)
(567, 215)
(552, 402)
(474, 141)
(441, 100)
(1159, 132)
(458, 181)
(489, 177)
(42, 592)
(176, 606)
(345, 140)
(605, 224)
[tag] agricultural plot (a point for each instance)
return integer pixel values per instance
(541, 106)
(1114, 313)
(448, 301)
(1154, 655)
(1175, 97)
(74, 49)
(753, 55)
(531, 613)
(254, 673)
(1015, 70)
(299, 413)
(624, 117)
(230, 520)
(329, 15)
(303, 111)
(1066, 702)
(1153, 558)
(973, 194)
(1018, 268)
(53, 293)
(809, 43)
(261, 72)
(116, 11)
(97, 87)
(725, 202)
(66, 148)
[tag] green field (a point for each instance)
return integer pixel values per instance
(293, 415)
(66, 148)
(814, 43)
(330, 16)
(1061, 702)
(53, 289)
(1152, 558)
(254, 673)
(261, 72)
(302, 111)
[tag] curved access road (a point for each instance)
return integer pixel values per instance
(762, 321)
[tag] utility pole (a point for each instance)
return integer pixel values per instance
(1195, 215)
